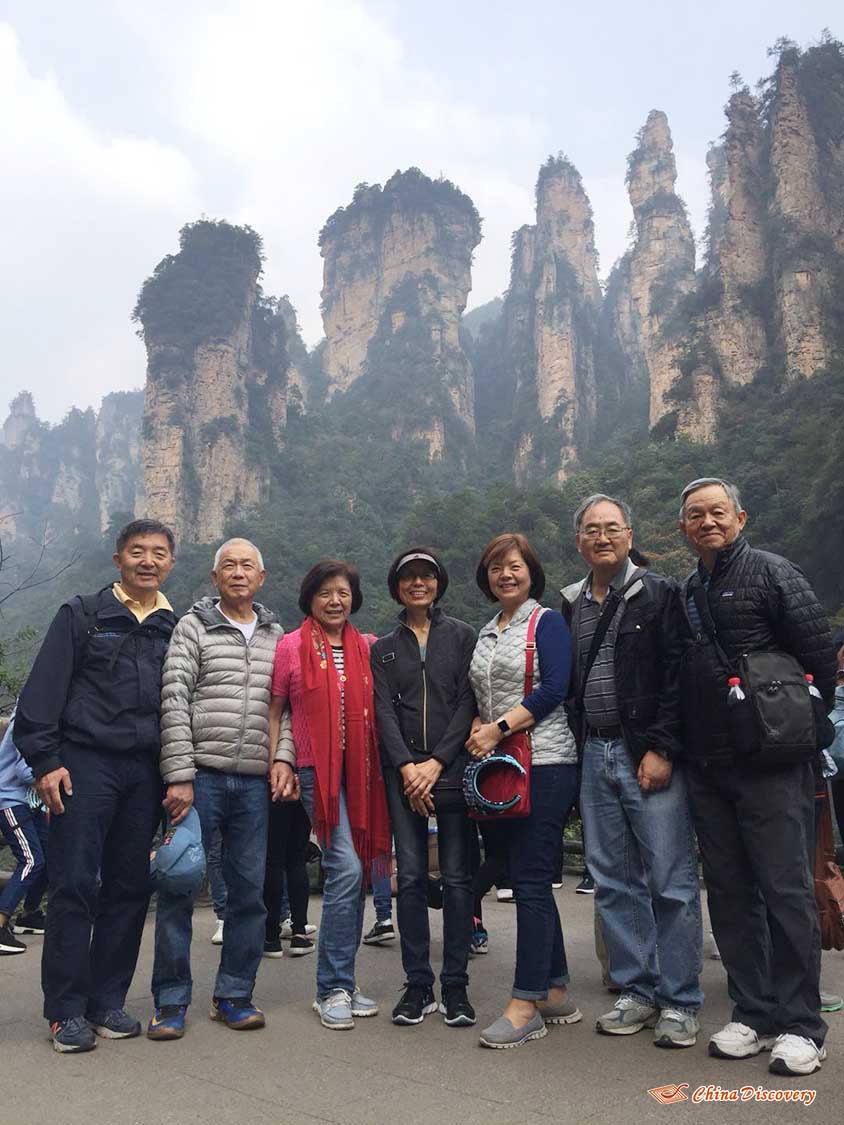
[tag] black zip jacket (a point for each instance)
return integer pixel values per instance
(425, 708)
(646, 665)
(94, 684)
(759, 602)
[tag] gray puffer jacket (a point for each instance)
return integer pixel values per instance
(215, 696)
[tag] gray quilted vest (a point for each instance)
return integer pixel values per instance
(497, 674)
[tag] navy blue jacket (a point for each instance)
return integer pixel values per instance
(94, 685)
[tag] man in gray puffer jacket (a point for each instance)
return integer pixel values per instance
(215, 755)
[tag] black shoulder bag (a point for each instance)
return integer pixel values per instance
(779, 722)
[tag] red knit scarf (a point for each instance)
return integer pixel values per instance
(356, 756)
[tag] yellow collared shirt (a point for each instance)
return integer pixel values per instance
(135, 607)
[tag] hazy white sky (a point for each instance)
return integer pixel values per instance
(121, 121)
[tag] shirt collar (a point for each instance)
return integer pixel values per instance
(135, 606)
(618, 579)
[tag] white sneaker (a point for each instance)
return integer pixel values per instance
(309, 929)
(796, 1054)
(738, 1041)
(504, 895)
(217, 936)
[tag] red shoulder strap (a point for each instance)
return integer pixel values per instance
(530, 649)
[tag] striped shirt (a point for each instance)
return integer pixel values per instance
(337, 653)
(599, 699)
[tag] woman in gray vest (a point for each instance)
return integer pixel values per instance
(510, 573)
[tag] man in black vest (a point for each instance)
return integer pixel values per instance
(88, 725)
(755, 825)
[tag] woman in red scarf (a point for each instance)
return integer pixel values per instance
(322, 672)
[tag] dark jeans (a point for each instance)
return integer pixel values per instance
(836, 787)
(103, 837)
(756, 831)
(236, 804)
(410, 831)
(26, 832)
(534, 844)
(287, 842)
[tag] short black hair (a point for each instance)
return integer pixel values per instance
(393, 573)
(496, 549)
(145, 527)
(319, 573)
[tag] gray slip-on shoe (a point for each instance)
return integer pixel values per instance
(567, 1012)
(502, 1034)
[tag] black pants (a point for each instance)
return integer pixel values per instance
(495, 869)
(98, 881)
(410, 831)
(756, 833)
(287, 843)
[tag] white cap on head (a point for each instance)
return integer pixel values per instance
(418, 555)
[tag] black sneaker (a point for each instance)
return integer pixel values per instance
(272, 947)
(114, 1024)
(32, 922)
(300, 946)
(72, 1035)
(586, 886)
(455, 1006)
(416, 1003)
(8, 942)
(380, 934)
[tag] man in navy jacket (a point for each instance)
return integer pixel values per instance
(88, 725)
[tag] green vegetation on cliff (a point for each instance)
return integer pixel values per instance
(411, 192)
(198, 295)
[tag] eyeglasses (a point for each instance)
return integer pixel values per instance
(611, 531)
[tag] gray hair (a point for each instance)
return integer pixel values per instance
(702, 482)
(237, 539)
(596, 498)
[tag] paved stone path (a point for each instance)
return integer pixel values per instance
(294, 1070)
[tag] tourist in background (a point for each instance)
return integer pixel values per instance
(287, 845)
(322, 672)
(510, 573)
(424, 704)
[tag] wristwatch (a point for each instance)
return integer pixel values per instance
(503, 726)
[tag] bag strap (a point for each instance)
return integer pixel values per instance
(702, 603)
(86, 623)
(608, 612)
(530, 649)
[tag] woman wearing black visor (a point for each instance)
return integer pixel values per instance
(424, 707)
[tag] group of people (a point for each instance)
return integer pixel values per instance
(626, 705)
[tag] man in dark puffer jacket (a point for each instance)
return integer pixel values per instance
(755, 827)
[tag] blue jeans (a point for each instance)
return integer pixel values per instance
(26, 833)
(341, 926)
(534, 850)
(382, 898)
(98, 869)
(641, 852)
(453, 840)
(216, 882)
(236, 804)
